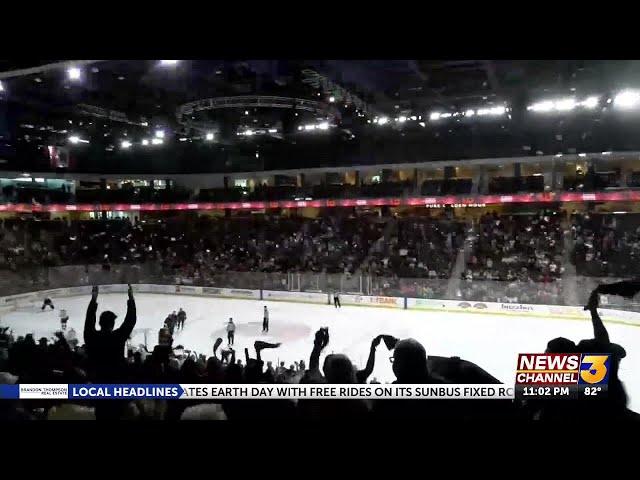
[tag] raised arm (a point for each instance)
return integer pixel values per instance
(215, 346)
(362, 375)
(320, 341)
(90, 319)
(599, 330)
(130, 318)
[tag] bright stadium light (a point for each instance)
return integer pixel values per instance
(445, 115)
(545, 106)
(145, 142)
(309, 127)
(168, 63)
(469, 113)
(209, 136)
(590, 102)
(1, 87)
(159, 133)
(125, 144)
(565, 104)
(626, 99)
(434, 116)
(383, 120)
(157, 141)
(76, 139)
(323, 126)
(73, 73)
(273, 130)
(332, 99)
(402, 119)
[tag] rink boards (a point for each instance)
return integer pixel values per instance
(492, 308)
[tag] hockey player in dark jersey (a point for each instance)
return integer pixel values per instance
(182, 316)
(265, 320)
(47, 303)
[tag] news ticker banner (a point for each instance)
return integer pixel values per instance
(253, 392)
(538, 376)
(562, 375)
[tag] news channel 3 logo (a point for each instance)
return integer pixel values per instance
(594, 369)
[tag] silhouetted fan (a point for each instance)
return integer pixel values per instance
(627, 288)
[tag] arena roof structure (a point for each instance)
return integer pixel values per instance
(257, 108)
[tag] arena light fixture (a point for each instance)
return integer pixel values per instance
(493, 111)
(74, 73)
(159, 133)
(209, 136)
(323, 126)
(157, 141)
(248, 133)
(125, 144)
(545, 106)
(76, 139)
(565, 104)
(590, 102)
(402, 119)
(332, 99)
(445, 115)
(273, 130)
(434, 116)
(469, 113)
(383, 120)
(145, 142)
(1, 87)
(627, 99)
(309, 127)
(168, 63)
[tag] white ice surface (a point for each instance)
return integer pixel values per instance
(492, 342)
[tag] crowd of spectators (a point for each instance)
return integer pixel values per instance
(606, 244)
(421, 248)
(515, 258)
(100, 358)
(195, 249)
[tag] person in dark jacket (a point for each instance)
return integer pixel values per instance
(105, 348)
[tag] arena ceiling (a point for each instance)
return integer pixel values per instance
(122, 103)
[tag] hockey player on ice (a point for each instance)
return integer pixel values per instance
(47, 303)
(182, 316)
(231, 330)
(64, 318)
(265, 320)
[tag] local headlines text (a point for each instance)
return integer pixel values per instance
(257, 391)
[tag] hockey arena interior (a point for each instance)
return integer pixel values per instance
(317, 221)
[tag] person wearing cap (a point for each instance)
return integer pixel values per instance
(105, 347)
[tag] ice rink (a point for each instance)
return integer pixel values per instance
(492, 342)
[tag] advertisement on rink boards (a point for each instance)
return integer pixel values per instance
(307, 297)
(230, 292)
(393, 302)
(256, 391)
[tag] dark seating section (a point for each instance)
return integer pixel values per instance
(606, 244)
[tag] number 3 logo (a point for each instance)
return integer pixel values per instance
(594, 368)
